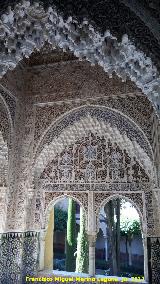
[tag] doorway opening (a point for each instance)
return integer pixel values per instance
(119, 244)
(66, 238)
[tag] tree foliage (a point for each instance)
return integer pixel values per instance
(60, 219)
(130, 227)
(71, 236)
(82, 246)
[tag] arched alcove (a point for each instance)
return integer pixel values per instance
(46, 255)
(143, 226)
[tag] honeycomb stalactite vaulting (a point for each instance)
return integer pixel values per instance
(28, 27)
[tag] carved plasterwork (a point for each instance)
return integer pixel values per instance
(49, 186)
(148, 199)
(47, 55)
(6, 122)
(156, 209)
(94, 159)
(33, 26)
(133, 106)
(139, 18)
(5, 146)
(101, 122)
(20, 162)
(3, 208)
(70, 80)
(10, 104)
(3, 162)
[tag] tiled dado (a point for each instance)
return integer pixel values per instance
(18, 256)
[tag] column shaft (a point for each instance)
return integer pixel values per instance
(91, 257)
(48, 254)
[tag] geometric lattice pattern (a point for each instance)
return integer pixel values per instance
(94, 159)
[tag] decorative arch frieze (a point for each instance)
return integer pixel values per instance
(28, 26)
(133, 106)
(101, 122)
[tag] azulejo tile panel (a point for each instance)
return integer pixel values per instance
(19, 256)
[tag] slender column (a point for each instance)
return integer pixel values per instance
(92, 242)
(91, 232)
(42, 248)
(48, 254)
(106, 248)
(145, 258)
